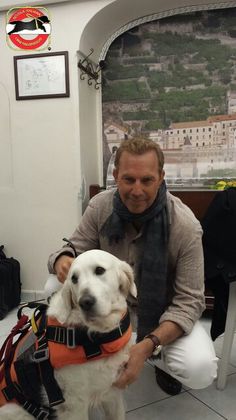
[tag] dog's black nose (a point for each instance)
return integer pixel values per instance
(86, 302)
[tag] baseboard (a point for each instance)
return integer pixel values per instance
(30, 295)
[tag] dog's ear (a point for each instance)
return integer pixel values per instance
(126, 279)
(65, 303)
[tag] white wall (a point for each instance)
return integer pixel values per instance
(40, 153)
(49, 144)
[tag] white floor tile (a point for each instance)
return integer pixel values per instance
(223, 402)
(8, 322)
(2, 339)
(144, 391)
(181, 407)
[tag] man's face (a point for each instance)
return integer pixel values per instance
(138, 180)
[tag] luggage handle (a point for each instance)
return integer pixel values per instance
(2, 253)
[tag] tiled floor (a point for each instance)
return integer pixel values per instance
(146, 401)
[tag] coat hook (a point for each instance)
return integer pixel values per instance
(92, 70)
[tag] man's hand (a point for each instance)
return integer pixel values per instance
(167, 332)
(62, 266)
(138, 354)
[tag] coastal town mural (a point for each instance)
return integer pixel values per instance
(174, 80)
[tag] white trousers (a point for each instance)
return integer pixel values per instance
(191, 359)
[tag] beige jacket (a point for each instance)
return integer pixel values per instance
(185, 254)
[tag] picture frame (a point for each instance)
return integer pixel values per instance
(42, 76)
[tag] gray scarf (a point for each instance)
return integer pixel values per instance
(152, 275)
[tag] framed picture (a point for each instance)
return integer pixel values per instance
(42, 76)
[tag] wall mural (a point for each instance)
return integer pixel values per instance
(174, 80)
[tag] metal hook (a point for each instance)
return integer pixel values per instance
(90, 69)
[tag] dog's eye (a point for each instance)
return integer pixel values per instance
(74, 278)
(99, 270)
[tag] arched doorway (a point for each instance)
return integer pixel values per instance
(98, 34)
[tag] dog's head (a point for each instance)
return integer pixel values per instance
(44, 19)
(95, 291)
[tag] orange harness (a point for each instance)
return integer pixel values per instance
(61, 354)
(47, 345)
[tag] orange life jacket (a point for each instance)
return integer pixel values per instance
(54, 346)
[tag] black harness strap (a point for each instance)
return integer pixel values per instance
(41, 358)
(31, 372)
(91, 342)
(13, 391)
(28, 377)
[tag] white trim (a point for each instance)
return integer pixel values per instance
(30, 295)
(19, 3)
(161, 15)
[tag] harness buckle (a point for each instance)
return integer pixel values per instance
(40, 355)
(59, 336)
(43, 414)
(70, 335)
(11, 390)
(38, 412)
(120, 330)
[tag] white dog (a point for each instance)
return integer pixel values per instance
(92, 297)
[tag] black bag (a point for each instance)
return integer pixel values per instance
(10, 285)
(219, 230)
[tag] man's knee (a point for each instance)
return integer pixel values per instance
(201, 372)
(192, 359)
(194, 372)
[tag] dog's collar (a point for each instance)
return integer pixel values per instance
(73, 337)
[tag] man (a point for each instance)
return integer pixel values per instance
(143, 224)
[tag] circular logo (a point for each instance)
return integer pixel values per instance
(28, 28)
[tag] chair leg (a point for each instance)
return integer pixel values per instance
(228, 338)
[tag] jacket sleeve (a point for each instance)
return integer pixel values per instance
(85, 237)
(188, 301)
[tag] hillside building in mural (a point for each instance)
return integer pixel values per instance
(174, 81)
(114, 134)
(191, 149)
(196, 149)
